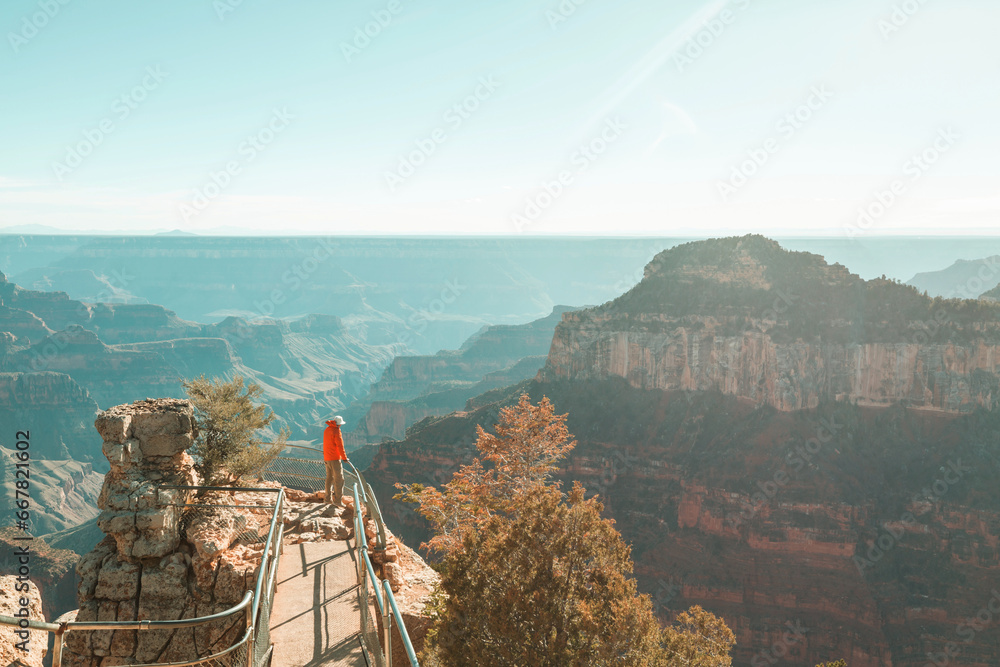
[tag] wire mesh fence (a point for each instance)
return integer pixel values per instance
(297, 473)
(369, 621)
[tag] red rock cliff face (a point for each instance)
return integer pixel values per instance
(874, 530)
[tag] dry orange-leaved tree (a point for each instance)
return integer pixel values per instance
(533, 576)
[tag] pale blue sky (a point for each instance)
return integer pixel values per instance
(686, 124)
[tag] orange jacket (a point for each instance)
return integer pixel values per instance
(333, 443)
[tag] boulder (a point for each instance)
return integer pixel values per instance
(10, 605)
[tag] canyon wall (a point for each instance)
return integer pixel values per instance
(309, 367)
(664, 353)
(875, 530)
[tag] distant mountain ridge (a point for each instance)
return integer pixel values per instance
(429, 293)
(965, 279)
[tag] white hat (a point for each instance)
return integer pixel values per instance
(338, 419)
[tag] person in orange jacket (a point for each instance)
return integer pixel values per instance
(334, 457)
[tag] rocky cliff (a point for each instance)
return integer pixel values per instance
(877, 530)
(745, 317)
(64, 493)
(160, 560)
(52, 570)
(54, 409)
(21, 650)
(782, 442)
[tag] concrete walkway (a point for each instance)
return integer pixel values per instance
(315, 619)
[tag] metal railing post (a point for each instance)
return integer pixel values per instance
(387, 624)
(250, 629)
(58, 646)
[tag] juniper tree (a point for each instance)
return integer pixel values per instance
(228, 446)
(534, 576)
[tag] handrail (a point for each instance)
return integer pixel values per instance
(410, 653)
(364, 496)
(158, 625)
(32, 625)
(201, 661)
(367, 494)
(312, 449)
(268, 546)
(387, 609)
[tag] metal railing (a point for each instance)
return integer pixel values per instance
(253, 649)
(310, 475)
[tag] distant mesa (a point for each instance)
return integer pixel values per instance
(746, 317)
(41, 230)
(965, 279)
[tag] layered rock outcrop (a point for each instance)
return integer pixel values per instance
(52, 571)
(55, 410)
(697, 356)
(159, 560)
(309, 367)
